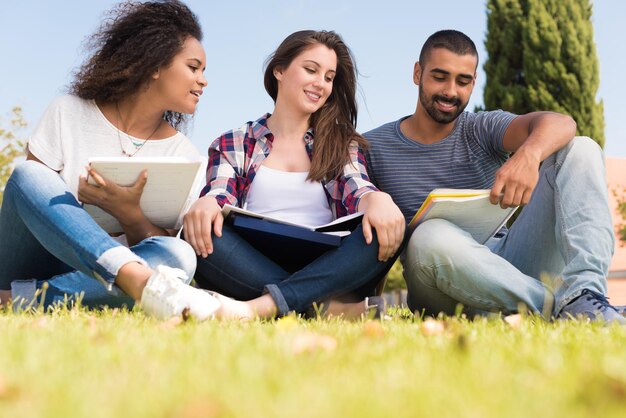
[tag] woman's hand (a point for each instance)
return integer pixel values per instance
(203, 218)
(384, 216)
(121, 202)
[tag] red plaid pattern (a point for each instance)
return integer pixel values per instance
(235, 157)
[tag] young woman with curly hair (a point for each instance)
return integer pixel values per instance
(302, 163)
(128, 99)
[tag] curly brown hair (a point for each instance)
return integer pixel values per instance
(134, 40)
(334, 123)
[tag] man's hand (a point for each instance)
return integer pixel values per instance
(516, 180)
(384, 216)
(203, 218)
(122, 202)
(532, 137)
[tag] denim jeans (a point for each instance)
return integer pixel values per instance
(239, 270)
(46, 235)
(561, 243)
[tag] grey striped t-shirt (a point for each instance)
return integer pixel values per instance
(467, 159)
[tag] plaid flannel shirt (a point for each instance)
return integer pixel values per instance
(235, 157)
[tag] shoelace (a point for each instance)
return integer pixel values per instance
(597, 299)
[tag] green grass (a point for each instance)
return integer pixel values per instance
(121, 364)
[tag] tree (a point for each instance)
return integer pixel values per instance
(11, 146)
(542, 56)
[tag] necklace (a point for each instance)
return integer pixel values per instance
(138, 145)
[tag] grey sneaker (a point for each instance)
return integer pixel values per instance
(377, 304)
(594, 306)
(23, 294)
(165, 296)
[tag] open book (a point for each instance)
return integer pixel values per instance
(173, 185)
(340, 227)
(285, 242)
(469, 209)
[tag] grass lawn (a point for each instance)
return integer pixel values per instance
(75, 363)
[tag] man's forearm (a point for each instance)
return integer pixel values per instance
(548, 132)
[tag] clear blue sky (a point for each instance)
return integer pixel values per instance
(41, 42)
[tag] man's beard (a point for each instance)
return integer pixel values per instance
(437, 115)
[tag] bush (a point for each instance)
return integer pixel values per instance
(621, 210)
(395, 280)
(12, 146)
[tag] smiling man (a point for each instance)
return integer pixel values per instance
(564, 234)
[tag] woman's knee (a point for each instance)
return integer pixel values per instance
(170, 251)
(28, 171)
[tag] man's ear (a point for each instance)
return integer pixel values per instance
(417, 73)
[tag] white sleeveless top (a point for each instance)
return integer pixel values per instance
(288, 196)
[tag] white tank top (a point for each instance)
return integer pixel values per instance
(288, 196)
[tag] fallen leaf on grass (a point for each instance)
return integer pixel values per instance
(41, 322)
(204, 408)
(310, 341)
(616, 386)
(515, 321)
(93, 331)
(286, 323)
(3, 387)
(432, 327)
(173, 322)
(92, 323)
(373, 329)
(6, 390)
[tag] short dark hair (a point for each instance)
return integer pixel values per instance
(133, 42)
(450, 39)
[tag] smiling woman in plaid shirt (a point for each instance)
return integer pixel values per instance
(303, 163)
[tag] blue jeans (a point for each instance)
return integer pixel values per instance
(46, 235)
(561, 243)
(239, 270)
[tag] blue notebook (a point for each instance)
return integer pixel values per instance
(340, 226)
(285, 244)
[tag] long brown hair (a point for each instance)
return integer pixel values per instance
(134, 41)
(334, 123)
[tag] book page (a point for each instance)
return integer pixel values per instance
(341, 220)
(461, 193)
(478, 217)
(168, 192)
(473, 213)
(334, 226)
(228, 209)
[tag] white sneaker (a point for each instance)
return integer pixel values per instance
(165, 296)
